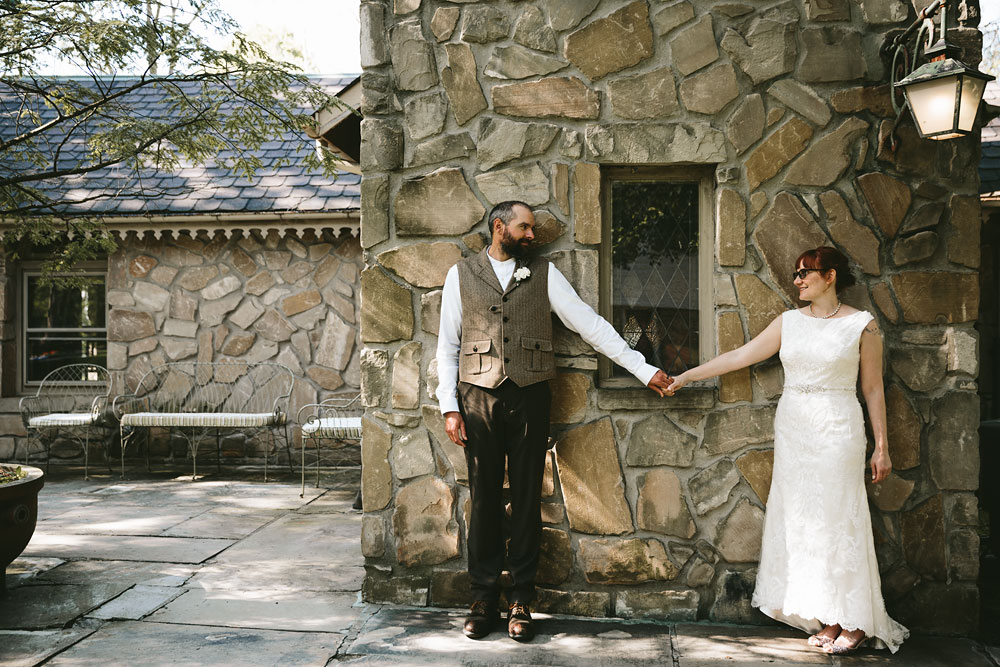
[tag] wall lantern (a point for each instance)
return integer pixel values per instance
(944, 93)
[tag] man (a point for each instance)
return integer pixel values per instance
(494, 357)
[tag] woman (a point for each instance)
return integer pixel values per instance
(817, 568)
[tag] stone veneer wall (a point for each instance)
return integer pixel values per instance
(654, 508)
(274, 298)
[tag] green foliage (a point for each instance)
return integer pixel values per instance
(223, 105)
(61, 242)
(653, 220)
(11, 474)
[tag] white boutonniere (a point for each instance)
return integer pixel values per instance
(522, 274)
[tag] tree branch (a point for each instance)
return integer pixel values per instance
(84, 169)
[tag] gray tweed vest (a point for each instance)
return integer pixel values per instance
(505, 333)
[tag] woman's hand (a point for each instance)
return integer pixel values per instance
(881, 465)
(679, 381)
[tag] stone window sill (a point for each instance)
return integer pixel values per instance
(698, 396)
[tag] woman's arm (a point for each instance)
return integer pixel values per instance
(761, 347)
(871, 387)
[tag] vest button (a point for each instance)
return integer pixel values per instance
(504, 299)
(506, 360)
(506, 340)
(506, 319)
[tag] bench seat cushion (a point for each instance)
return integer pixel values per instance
(202, 419)
(334, 427)
(62, 419)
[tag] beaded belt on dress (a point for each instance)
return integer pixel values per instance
(815, 388)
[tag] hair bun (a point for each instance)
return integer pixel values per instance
(825, 258)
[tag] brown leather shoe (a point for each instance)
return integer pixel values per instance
(519, 624)
(483, 617)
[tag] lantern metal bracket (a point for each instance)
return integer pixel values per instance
(942, 71)
(906, 49)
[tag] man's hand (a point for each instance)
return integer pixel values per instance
(660, 382)
(454, 426)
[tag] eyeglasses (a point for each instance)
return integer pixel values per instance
(802, 273)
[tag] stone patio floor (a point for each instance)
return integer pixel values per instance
(231, 570)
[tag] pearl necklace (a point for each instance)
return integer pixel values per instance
(825, 317)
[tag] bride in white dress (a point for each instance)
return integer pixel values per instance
(818, 570)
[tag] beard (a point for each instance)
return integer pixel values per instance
(519, 249)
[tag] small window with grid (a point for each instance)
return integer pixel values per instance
(63, 323)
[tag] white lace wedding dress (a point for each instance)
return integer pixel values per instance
(817, 563)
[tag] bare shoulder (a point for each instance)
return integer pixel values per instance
(872, 328)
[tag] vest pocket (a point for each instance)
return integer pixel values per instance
(540, 353)
(475, 357)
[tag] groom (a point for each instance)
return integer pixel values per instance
(494, 356)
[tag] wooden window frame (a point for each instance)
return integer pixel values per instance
(704, 176)
(34, 268)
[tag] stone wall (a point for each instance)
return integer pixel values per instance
(653, 508)
(276, 298)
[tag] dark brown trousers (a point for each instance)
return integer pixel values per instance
(507, 425)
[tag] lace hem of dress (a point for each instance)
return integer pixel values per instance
(811, 620)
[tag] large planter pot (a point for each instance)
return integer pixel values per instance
(18, 513)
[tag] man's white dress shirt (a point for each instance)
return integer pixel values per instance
(564, 301)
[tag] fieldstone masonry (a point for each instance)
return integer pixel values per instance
(653, 508)
(245, 297)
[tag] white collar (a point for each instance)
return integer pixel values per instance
(499, 263)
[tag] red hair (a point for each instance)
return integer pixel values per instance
(825, 258)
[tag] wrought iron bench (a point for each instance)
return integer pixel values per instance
(337, 421)
(70, 403)
(196, 399)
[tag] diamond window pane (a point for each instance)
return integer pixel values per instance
(654, 279)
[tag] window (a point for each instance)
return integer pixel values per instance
(656, 266)
(62, 324)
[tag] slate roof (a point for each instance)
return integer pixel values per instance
(989, 164)
(190, 190)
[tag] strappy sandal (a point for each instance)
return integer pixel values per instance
(819, 640)
(834, 649)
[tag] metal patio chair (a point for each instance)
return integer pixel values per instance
(336, 421)
(70, 402)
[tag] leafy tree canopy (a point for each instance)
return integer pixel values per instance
(223, 105)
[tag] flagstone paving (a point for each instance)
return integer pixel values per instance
(228, 570)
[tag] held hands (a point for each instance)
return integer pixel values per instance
(676, 384)
(454, 426)
(660, 383)
(881, 465)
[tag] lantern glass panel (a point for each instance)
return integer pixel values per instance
(972, 94)
(933, 104)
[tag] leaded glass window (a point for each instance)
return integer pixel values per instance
(655, 265)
